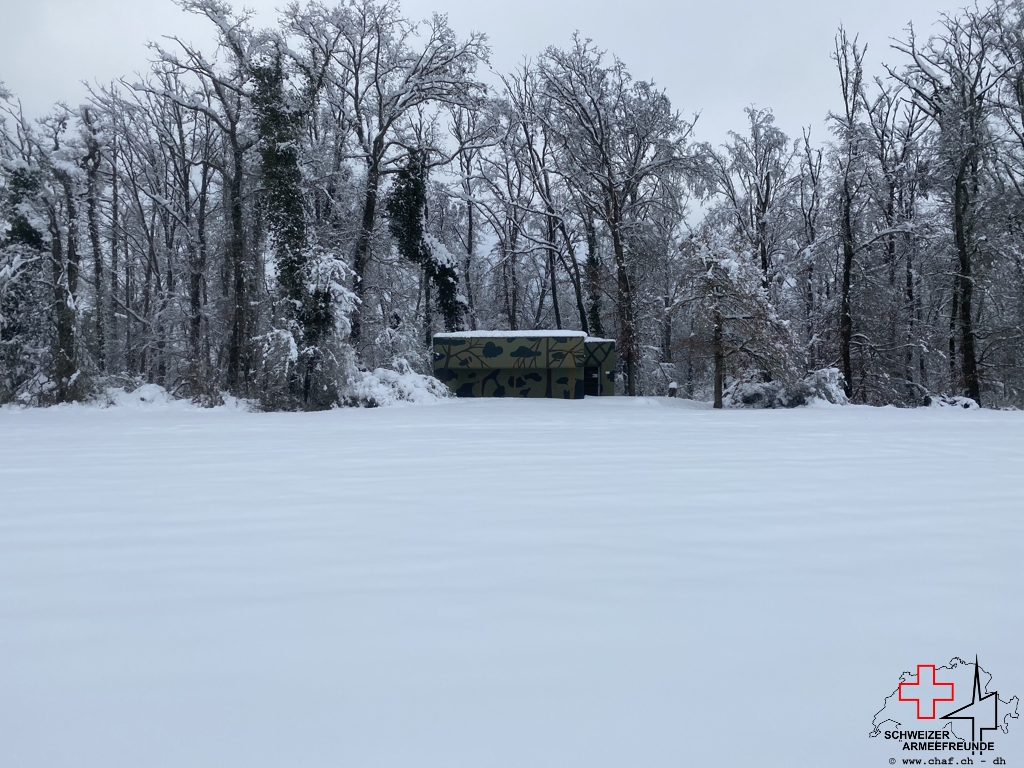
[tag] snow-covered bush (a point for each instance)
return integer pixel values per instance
(153, 396)
(387, 387)
(146, 396)
(825, 385)
(942, 401)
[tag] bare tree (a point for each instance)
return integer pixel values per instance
(389, 74)
(617, 138)
(953, 78)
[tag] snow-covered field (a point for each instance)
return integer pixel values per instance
(608, 582)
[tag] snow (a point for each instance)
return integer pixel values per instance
(509, 334)
(439, 251)
(604, 582)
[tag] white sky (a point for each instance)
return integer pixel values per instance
(716, 58)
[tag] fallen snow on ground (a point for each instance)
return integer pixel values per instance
(486, 583)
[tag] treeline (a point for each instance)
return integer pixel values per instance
(303, 203)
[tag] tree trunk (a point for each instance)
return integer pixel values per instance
(965, 285)
(93, 216)
(63, 299)
(719, 351)
(361, 257)
(912, 393)
(115, 240)
(470, 248)
(428, 313)
(592, 274)
(666, 332)
(954, 313)
(764, 198)
(236, 252)
(812, 345)
(129, 352)
(845, 312)
(627, 326)
(573, 268)
(65, 264)
(689, 360)
(552, 247)
(197, 268)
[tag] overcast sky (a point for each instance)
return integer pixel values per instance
(712, 57)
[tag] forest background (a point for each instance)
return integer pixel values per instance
(278, 215)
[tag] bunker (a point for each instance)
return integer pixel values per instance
(561, 364)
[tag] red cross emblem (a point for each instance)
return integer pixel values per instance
(926, 692)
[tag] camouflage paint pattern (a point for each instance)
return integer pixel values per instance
(601, 355)
(563, 383)
(509, 352)
(511, 366)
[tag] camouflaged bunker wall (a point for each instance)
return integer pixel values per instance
(563, 364)
(599, 367)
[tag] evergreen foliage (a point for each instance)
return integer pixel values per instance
(407, 222)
